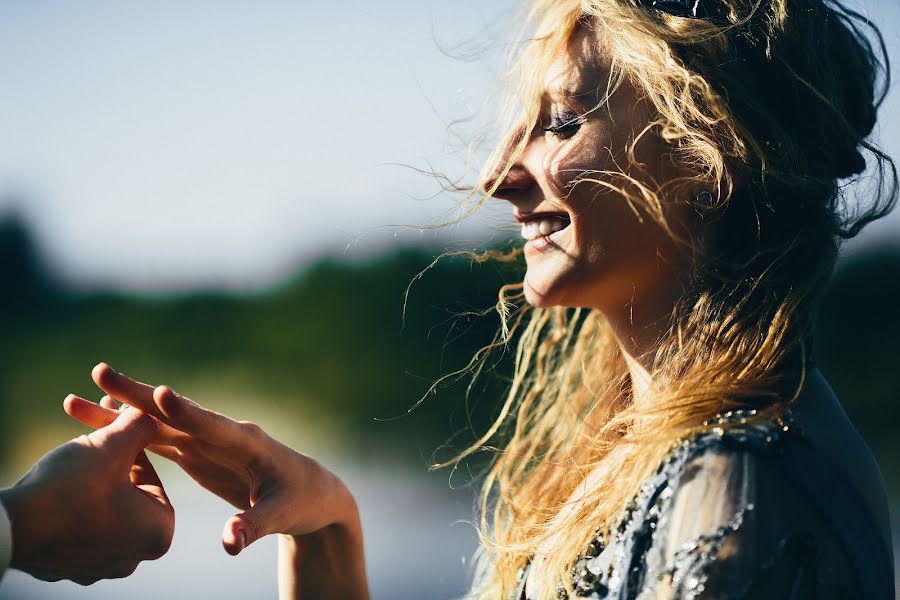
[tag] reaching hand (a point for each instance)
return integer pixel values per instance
(92, 508)
(280, 490)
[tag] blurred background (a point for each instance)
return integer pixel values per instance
(230, 198)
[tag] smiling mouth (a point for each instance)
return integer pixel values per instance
(538, 225)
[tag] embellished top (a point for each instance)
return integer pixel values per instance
(738, 511)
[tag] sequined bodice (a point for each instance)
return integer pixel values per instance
(720, 519)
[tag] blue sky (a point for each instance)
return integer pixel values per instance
(172, 145)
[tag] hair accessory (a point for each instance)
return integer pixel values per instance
(691, 9)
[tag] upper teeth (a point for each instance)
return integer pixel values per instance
(539, 227)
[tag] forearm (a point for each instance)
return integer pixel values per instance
(329, 563)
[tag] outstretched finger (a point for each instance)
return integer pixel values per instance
(108, 402)
(186, 415)
(98, 416)
(168, 435)
(125, 389)
(169, 407)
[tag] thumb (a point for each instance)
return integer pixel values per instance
(243, 529)
(130, 433)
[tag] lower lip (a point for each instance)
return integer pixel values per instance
(538, 245)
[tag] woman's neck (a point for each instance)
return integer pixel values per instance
(638, 342)
(640, 377)
(638, 329)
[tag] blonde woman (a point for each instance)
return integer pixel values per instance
(679, 169)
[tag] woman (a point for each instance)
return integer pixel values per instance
(679, 172)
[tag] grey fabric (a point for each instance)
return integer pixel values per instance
(745, 510)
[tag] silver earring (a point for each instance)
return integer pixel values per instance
(705, 198)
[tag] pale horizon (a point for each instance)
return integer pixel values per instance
(218, 145)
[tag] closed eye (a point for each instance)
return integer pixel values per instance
(564, 126)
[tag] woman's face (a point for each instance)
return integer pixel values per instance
(585, 244)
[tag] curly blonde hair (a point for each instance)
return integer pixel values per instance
(771, 109)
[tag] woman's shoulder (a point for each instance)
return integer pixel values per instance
(743, 509)
(732, 520)
(810, 450)
(830, 432)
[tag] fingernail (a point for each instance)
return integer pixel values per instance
(107, 365)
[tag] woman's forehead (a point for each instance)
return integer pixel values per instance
(581, 67)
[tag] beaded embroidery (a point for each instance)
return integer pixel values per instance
(628, 566)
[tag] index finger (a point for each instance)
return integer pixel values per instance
(169, 407)
(124, 389)
(101, 415)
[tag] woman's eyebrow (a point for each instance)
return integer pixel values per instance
(587, 97)
(580, 85)
(564, 89)
(568, 93)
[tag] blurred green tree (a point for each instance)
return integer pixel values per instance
(332, 343)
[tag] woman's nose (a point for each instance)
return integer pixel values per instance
(516, 179)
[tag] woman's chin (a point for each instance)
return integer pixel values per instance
(541, 293)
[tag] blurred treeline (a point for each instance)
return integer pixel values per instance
(331, 345)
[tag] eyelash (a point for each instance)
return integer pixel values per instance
(564, 125)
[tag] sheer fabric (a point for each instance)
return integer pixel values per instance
(737, 512)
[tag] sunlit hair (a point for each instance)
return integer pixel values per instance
(771, 113)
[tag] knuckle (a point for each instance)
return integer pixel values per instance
(252, 429)
(253, 529)
(86, 441)
(165, 397)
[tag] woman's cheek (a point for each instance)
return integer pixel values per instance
(574, 160)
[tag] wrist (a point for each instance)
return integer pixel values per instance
(19, 508)
(37, 529)
(329, 562)
(343, 531)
